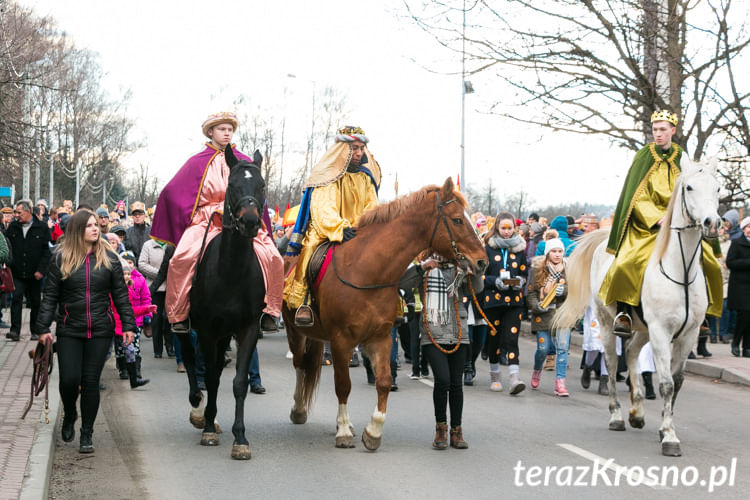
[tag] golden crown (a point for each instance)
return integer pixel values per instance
(349, 130)
(662, 115)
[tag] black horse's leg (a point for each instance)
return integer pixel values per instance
(208, 348)
(188, 359)
(247, 341)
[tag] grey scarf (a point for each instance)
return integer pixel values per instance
(497, 242)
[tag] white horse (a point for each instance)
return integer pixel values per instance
(673, 296)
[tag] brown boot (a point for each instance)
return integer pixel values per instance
(304, 316)
(457, 439)
(623, 326)
(441, 436)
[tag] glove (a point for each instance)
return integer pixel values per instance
(520, 285)
(349, 233)
(559, 290)
(500, 285)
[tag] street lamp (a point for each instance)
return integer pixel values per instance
(466, 88)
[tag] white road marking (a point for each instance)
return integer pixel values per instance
(613, 466)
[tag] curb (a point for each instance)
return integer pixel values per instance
(695, 367)
(36, 483)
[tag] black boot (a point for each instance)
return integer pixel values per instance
(586, 377)
(649, 385)
(702, 351)
(603, 383)
(68, 427)
(394, 368)
(135, 380)
(121, 368)
(87, 443)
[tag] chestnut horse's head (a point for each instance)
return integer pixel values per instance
(453, 236)
(245, 195)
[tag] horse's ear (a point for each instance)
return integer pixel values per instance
(257, 159)
(229, 156)
(686, 163)
(447, 190)
(713, 162)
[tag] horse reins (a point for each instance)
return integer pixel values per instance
(43, 363)
(685, 284)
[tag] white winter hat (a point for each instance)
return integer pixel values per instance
(745, 222)
(552, 244)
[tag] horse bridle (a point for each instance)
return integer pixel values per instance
(440, 216)
(686, 265)
(234, 221)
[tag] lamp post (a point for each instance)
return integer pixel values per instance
(466, 88)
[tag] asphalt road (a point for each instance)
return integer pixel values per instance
(147, 449)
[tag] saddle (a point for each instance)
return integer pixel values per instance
(319, 262)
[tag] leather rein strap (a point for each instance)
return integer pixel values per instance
(43, 363)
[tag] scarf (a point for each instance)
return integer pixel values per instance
(507, 243)
(556, 275)
(436, 298)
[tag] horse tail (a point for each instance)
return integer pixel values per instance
(312, 361)
(578, 275)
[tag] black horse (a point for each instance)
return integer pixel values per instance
(227, 299)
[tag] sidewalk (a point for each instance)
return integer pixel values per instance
(720, 366)
(26, 450)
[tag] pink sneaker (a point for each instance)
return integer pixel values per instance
(560, 389)
(536, 376)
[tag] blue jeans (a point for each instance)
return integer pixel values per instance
(253, 371)
(728, 322)
(544, 346)
(200, 367)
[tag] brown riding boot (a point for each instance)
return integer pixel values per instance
(623, 326)
(457, 439)
(441, 436)
(304, 316)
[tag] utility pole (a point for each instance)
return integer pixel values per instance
(463, 93)
(51, 180)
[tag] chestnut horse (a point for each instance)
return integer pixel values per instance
(357, 300)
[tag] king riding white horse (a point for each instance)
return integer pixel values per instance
(674, 296)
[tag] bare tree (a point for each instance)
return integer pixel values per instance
(602, 67)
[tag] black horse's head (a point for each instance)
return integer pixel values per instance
(245, 195)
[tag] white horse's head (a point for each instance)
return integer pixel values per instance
(700, 194)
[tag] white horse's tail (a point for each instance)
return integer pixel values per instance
(578, 275)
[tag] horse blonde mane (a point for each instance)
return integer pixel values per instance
(386, 212)
(662, 238)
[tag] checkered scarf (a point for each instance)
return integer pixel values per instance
(436, 298)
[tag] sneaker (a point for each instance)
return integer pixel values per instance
(180, 368)
(257, 389)
(415, 376)
(495, 384)
(14, 336)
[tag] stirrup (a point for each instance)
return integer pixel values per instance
(621, 332)
(302, 321)
(181, 327)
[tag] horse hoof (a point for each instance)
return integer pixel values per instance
(371, 443)
(198, 421)
(210, 439)
(637, 422)
(617, 425)
(671, 449)
(241, 451)
(344, 441)
(218, 429)
(298, 417)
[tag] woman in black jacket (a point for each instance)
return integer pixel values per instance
(82, 277)
(738, 293)
(503, 297)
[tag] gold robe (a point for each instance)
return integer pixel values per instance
(333, 208)
(624, 278)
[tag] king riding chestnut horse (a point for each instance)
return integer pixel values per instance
(227, 299)
(357, 300)
(673, 296)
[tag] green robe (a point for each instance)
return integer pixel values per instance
(643, 202)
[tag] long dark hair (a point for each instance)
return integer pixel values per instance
(494, 231)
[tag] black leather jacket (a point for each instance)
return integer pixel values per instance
(81, 303)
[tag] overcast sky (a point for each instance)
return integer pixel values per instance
(185, 59)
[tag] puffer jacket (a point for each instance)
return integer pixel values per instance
(512, 260)
(541, 319)
(81, 302)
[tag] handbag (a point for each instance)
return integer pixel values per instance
(6, 280)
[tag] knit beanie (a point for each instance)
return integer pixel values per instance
(554, 243)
